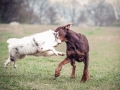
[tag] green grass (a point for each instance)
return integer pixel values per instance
(37, 73)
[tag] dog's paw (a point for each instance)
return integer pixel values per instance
(61, 54)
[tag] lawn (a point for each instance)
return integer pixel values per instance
(37, 73)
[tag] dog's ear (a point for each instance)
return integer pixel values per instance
(67, 26)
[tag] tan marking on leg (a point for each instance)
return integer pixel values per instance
(73, 71)
(58, 69)
(85, 76)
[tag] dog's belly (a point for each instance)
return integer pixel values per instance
(45, 54)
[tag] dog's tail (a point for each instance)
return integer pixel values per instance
(12, 40)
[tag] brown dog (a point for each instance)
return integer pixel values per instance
(77, 50)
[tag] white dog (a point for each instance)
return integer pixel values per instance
(41, 44)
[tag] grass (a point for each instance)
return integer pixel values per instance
(37, 73)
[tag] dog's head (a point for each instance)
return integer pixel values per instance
(63, 31)
(54, 39)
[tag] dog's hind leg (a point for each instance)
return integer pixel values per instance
(73, 69)
(14, 64)
(12, 57)
(7, 62)
(85, 75)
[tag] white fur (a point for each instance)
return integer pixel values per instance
(41, 44)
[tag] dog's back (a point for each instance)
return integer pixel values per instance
(83, 39)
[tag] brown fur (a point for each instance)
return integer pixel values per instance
(77, 50)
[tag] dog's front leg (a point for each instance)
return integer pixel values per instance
(44, 49)
(54, 51)
(61, 53)
(58, 69)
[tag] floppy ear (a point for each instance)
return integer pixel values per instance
(67, 26)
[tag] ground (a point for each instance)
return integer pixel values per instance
(37, 73)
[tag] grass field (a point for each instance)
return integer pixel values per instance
(37, 73)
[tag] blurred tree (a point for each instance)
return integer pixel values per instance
(9, 10)
(40, 11)
(118, 13)
(29, 6)
(73, 11)
(42, 7)
(68, 10)
(60, 9)
(117, 9)
(82, 17)
(101, 13)
(51, 15)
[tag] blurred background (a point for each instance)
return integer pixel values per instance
(83, 13)
(98, 20)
